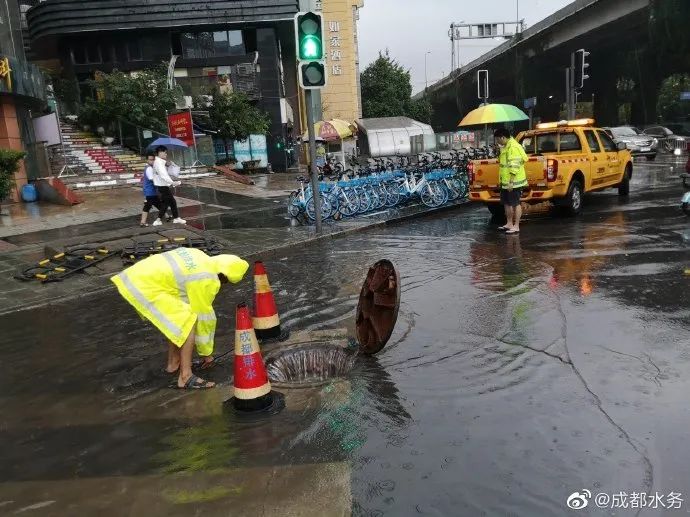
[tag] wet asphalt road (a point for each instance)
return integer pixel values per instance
(522, 369)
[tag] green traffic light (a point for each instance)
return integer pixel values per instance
(309, 32)
(311, 48)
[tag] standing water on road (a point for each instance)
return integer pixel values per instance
(522, 369)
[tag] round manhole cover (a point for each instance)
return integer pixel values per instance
(377, 310)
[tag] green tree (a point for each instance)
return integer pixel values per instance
(387, 91)
(9, 164)
(669, 106)
(141, 98)
(233, 116)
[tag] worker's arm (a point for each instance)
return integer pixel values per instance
(514, 160)
(149, 172)
(201, 294)
(162, 172)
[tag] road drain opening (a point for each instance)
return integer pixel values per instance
(309, 364)
(315, 363)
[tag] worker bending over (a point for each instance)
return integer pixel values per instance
(175, 291)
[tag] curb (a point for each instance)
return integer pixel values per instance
(269, 252)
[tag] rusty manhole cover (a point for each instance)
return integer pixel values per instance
(377, 310)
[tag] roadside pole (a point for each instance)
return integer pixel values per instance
(316, 193)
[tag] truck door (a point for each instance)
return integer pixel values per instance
(599, 165)
(613, 164)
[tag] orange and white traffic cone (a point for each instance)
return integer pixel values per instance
(266, 320)
(252, 387)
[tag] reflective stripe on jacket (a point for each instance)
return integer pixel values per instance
(175, 290)
(512, 164)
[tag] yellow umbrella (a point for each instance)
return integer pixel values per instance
(332, 130)
(493, 114)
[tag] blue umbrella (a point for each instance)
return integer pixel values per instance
(167, 142)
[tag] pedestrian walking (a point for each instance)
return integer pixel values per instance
(163, 182)
(175, 291)
(513, 178)
(150, 192)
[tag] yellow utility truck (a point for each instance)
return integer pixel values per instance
(565, 160)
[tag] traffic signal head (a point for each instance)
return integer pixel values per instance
(309, 36)
(312, 75)
(581, 66)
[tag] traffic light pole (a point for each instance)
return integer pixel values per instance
(316, 193)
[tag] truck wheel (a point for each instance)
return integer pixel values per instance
(624, 186)
(686, 208)
(573, 199)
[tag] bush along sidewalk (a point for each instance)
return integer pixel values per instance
(9, 164)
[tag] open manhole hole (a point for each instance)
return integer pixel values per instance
(309, 364)
(316, 363)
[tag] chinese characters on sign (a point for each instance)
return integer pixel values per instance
(336, 54)
(634, 500)
(180, 127)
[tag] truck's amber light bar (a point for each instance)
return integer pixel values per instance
(566, 123)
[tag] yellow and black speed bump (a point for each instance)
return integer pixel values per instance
(143, 249)
(62, 265)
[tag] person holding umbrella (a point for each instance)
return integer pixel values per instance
(163, 182)
(512, 177)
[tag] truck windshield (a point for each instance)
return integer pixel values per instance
(550, 143)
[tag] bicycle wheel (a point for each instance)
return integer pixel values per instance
(379, 196)
(326, 208)
(294, 204)
(426, 194)
(392, 194)
(348, 203)
(364, 201)
(453, 192)
(460, 186)
(440, 192)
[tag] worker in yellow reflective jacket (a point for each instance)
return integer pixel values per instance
(175, 291)
(513, 178)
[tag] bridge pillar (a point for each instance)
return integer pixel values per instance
(604, 86)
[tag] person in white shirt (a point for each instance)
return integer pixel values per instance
(150, 192)
(163, 182)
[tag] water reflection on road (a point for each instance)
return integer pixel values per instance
(522, 369)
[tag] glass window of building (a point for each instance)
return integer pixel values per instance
(79, 55)
(228, 43)
(212, 44)
(134, 50)
(93, 53)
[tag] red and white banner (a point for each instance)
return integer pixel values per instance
(180, 127)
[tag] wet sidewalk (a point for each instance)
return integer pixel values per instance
(245, 224)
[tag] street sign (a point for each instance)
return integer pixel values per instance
(530, 103)
(685, 96)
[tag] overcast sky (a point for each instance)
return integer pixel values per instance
(410, 28)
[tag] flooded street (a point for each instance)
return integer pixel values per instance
(522, 369)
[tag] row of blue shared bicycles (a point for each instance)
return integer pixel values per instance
(432, 178)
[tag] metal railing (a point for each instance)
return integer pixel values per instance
(138, 139)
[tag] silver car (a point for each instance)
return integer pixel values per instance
(638, 143)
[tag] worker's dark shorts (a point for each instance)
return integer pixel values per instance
(511, 197)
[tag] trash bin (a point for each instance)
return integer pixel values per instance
(29, 193)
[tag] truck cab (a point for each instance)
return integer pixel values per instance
(565, 160)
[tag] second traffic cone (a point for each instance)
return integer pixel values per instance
(266, 320)
(252, 387)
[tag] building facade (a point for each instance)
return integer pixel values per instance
(341, 96)
(240, 46)
(22, 96)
